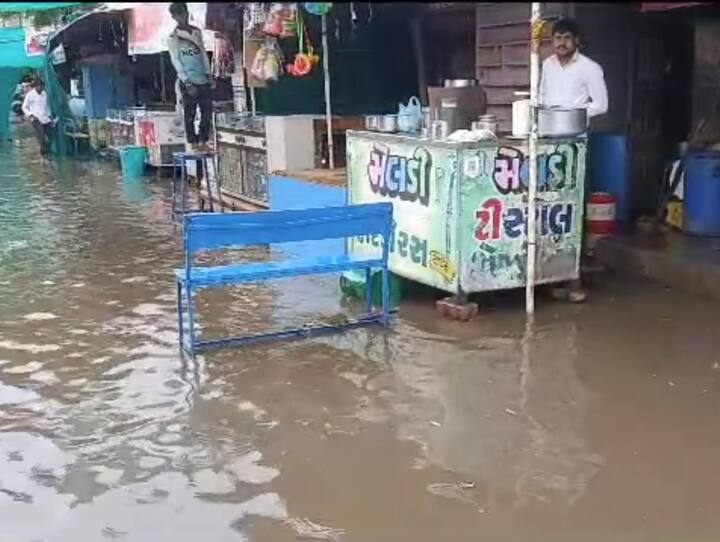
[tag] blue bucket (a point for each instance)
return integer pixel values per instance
(132, 161)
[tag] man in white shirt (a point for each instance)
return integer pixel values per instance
(36, 109)
(570, 79)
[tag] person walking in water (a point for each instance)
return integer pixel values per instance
(36, 110)
(188, 56)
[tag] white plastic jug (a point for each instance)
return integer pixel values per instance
(521, 115)
(410, 115)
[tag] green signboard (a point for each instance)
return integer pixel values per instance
(421, 183)
(493, 208)
(460, 209)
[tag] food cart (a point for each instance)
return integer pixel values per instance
(459, 208)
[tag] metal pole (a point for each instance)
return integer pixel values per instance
(328, 107)
(246, 78)
(536, 27)
(163, 92)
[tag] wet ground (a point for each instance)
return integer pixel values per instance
(601, 426)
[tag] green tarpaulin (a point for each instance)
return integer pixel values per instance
(12, 50)
(34, 6)
(12, 61)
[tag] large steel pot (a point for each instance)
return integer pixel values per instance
(561, 121)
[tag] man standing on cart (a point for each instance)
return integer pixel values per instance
(195, 82)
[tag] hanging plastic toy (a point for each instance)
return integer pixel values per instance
(304, 62)
(317, 8)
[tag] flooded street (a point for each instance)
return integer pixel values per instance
(602, 426)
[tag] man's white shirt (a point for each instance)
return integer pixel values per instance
(37, 105)
(578, 84)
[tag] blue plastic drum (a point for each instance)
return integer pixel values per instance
(610, 170)
(701, 206)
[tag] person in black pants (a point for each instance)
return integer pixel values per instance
(195, 82)
(192, 97)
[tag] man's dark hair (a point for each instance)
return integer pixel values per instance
(178, 8)
(566, 26)
(37, 81)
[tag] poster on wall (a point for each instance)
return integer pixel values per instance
(36, 39)
(420, 182)
(151, 24)
(57, 55)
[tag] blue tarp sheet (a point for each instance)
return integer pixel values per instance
(12, 60)
(34, 6)
(12, 50)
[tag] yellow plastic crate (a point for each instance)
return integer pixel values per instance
(674, 215)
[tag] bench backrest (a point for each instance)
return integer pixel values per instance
(214, 231)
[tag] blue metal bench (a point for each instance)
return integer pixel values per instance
(205, 232)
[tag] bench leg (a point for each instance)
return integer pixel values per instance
(183, 187)
(386, 296)
(368, 290)
(173, 187)
(181, 324)
(191, 319)
(206, 174)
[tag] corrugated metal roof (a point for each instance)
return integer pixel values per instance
(664, 6)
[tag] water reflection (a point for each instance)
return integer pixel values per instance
(107, 433)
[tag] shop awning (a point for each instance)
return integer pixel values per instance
(149, 24)
(664, 6)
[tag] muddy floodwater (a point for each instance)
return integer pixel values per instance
(601, 425)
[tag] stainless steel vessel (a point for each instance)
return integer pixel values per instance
(486, 122)
(373, 122)
(561, 121)
(389, 123)
(459, 83)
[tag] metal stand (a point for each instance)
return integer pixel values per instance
(180, 160)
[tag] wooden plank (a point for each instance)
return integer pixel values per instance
(516, 54)
(501, 13)
(340, 124)
(504, 76)
(488, 55)
(503, 34)
(328, 177)
(501, 95)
